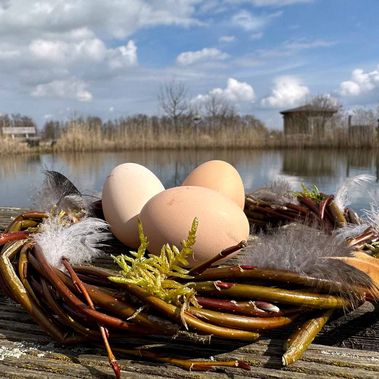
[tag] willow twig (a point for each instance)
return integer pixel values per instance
(175, 313)
(247, 308)
(299, 341)
(187, 364)
(337, 214)
(13, 236)
(104, 333)
(97, 316)
(242, 322)
(20, 294)
(283, 296)
(252, 273)
(223, 254)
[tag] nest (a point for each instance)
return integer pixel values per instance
(238, 301)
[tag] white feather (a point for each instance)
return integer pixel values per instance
(279, 192)
(294, 247)
(350, 231)
(79, 242)
(343, 195)
(372, 215)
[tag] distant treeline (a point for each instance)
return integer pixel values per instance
(218, 126)
(151, 132)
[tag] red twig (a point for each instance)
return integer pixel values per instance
(13, 236)
(223, 254)
(248, 308)
(104, 332)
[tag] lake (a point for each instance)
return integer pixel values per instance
(21, 176)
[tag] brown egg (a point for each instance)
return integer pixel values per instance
(126, 190)
(168, 216)
(221, 177)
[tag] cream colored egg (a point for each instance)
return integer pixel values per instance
(168, 216)
(220, 176)
(126, 190)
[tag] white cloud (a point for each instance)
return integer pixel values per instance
(279, 3)
(116, 18)
(8, 53)
(123, 56)
(206, 54)
(63, 53)
(288, 91)
(256, 36)
(235, 92)
(78, 39)
(302, 44)
(360, 82)
(226, 39)
(65, 89)
(251, 22)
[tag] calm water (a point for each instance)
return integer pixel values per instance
(21, 176)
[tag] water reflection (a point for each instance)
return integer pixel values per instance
(21, 176)
(312, 163)
(13, 166)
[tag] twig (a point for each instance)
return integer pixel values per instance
(104, 332)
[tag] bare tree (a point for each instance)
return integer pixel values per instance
(173, 100)
(217, 106)
(51, 130)
(364, 116)
(325, 102)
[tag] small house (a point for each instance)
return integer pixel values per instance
(308, 120)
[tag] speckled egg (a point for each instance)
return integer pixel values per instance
(126, 190)
(167, 218)
(220, 176)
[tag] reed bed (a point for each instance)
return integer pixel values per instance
(10, 146)
(146, 133)
(150, 133)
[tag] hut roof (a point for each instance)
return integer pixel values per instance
(310, 108)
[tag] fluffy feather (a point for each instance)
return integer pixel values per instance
(349, 231)
(79, 242)
(343, 195)
(279, 192)
(305, 250)
(371, 215)
(58, 192)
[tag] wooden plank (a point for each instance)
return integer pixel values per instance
(347, 348)
(81, 361)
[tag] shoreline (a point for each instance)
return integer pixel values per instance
(25, 150)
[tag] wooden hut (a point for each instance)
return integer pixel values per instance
(308, 120)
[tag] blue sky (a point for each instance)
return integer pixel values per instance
(88, 57)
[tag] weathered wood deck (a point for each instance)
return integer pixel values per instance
(347, 348)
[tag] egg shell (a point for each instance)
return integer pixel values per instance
(168, 216)
(220, 176)
(126, 190)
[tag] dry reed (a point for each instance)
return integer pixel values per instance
(146, 133)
